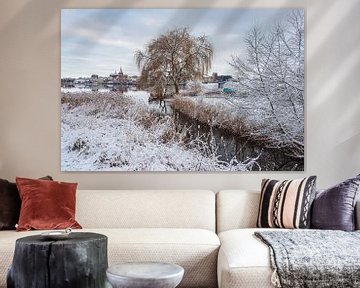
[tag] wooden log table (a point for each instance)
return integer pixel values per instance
(80, 261)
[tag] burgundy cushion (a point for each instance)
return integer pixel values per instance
(10, 204)
(334, 208)
(46, 204)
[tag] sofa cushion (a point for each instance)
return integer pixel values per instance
(244, 261)
(334, 208)
(196, 250)
(10, 204)
(153, 209)
(236, 209)
(46, 204)
(286, 204)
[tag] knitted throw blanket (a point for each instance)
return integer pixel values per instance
(313, 258)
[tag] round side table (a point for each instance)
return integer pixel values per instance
(145, 275)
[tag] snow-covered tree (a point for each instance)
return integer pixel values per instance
(273, 75)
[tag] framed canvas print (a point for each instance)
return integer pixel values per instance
(182, 89)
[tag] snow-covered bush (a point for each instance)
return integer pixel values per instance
(192, 88)
(197, 88)
(239, 116)
(215, 112)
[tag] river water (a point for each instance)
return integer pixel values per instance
(229, 145)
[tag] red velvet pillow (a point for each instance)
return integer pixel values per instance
(46, 204)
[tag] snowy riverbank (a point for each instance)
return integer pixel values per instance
(121, 132)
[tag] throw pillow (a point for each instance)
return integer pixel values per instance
(46, 204)
(10, 203)
(334, 208)
(286, 204)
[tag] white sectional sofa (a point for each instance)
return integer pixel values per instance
(177, 226)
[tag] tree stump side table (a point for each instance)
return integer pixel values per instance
(78, 261)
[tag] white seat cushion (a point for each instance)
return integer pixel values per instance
(244, 261)
(196, 250)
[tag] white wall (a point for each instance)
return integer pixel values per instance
(30, 95)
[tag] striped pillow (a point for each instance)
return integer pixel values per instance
(286, 204)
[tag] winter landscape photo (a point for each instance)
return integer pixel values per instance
(182, 89)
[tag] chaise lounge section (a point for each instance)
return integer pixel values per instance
(244, 260)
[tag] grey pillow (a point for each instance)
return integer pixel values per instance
(334, 208)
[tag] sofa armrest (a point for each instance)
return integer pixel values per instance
(357, 215)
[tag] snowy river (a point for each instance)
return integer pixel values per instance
(222, 143)
(228, 145)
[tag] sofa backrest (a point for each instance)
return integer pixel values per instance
(236, 209)
(146, 209)
(239, 209)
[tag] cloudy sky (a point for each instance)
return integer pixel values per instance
(100, 41)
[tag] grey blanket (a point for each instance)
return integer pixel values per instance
(314, 258)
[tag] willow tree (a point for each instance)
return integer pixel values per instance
(173, 58)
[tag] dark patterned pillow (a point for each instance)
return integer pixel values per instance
(286, 204)
(334, 208)
(10, 204)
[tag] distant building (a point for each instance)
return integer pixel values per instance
(80, 81)
(221, 79)
(119, 77)
(207, 79)
(67, 82)
(116, 78)
(122, 77)
(113, 75)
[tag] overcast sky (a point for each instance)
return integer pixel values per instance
(100, 41)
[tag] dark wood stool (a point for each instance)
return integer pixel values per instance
(78, 261)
